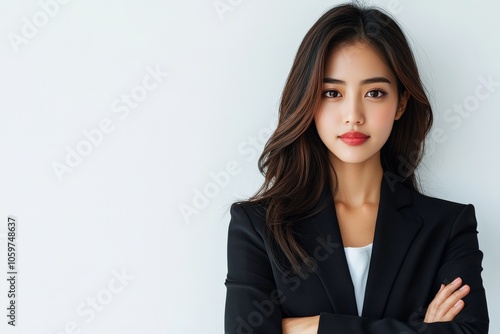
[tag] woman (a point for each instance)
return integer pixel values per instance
(339, 239)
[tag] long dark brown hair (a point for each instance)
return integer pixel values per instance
(295, 161)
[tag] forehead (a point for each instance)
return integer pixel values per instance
(356, 61)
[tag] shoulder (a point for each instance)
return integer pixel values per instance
(402, 197)
(430, 201)
(248, 219)
(253, 210)
(434, 210)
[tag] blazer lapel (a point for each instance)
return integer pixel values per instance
(394, 234)
(324, 243)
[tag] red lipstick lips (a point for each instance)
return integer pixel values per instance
(354, 138)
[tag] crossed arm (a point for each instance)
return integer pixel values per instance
(446, 305)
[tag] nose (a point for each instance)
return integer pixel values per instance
(353, 112)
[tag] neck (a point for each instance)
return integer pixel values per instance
(358, 184)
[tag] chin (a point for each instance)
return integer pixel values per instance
(355, 157)
(354, 160)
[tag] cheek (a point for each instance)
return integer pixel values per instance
(383, 120)
(327, 121)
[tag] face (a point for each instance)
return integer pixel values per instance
(359, 104)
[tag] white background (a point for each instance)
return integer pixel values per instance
(119, 209)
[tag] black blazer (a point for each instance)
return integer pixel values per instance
(419, 243)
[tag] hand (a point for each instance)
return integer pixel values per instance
(448, 302)
(301, 325)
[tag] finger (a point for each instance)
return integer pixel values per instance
(444, 292)
(459, 305)
(450, 303)
(447, 290)
(286, 323)
(443, 301)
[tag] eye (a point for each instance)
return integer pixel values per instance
(331, 94)
(376, 93)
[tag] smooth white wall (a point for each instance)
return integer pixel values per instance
(120, 207)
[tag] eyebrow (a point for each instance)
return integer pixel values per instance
(364, 82)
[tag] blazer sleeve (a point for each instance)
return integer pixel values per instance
(462, 258)
(252, 299)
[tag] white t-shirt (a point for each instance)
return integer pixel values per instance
(358, 259)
